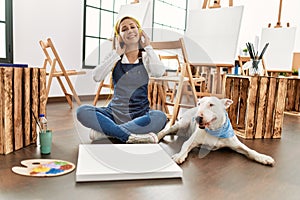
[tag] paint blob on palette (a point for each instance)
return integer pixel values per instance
(44, 167)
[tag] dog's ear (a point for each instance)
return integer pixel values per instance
(226, 102)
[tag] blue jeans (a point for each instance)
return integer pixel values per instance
(102, 120)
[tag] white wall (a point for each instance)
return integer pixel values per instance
(62, 20)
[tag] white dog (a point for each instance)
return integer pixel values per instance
(208, 124)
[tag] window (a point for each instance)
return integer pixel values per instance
(175, 17)
(6, 50)
(100, 17)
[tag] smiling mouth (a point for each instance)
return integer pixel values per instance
(131, 37)
(206, 124)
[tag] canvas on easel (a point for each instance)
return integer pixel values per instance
(211, 41)
(279, 56)
(215, 33)
(280, 52)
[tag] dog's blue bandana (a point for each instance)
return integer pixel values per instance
(226, 131)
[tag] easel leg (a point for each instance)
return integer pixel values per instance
(68, 97)
(98, 93)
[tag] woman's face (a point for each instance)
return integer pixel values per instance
(129, 32)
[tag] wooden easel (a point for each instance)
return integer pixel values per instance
(103, 85)
(60, 73)
(218, 80)
(216, 4)
(206, 3)
(278, 25)
(156, 93)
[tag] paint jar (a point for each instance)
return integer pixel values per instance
(236, 69)
(45, 142)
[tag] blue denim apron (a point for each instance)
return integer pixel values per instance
(130, 99)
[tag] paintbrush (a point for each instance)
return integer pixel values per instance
(263, 51)
(249, 50)
(253, 51)
(37, 122)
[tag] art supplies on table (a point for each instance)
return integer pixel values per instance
(255, 65)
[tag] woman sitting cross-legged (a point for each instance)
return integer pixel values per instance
(128, 116)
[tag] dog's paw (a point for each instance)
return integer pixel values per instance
(266, 160)
(178, 158)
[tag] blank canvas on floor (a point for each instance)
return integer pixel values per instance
(107, 162)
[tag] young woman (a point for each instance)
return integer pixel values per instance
(128, 116)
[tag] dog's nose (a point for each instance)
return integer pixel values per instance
(199, 119)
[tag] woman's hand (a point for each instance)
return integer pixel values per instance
(119, 49)
(145, 40)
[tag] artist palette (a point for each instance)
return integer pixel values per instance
(44, 167)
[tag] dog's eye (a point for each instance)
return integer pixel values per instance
(211, 105)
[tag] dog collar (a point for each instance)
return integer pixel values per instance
(226, 131)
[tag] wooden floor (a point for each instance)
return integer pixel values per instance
(222, 174)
